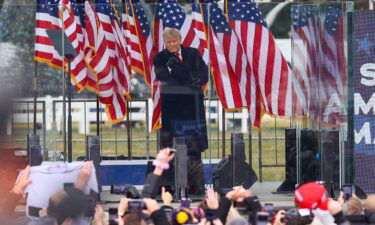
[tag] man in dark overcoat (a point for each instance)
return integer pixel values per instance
(183, 73)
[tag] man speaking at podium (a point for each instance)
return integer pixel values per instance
(182, 73)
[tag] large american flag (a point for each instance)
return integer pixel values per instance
(67, 16)
(47, 18)
(333, 67)
(97, 51)
(140, 39)
(158, 46)
(80, 18)
(199, 32)
(72, 13)
(114, 86)
(229, 65)
(305, 41)
(138, 31)
(135, 26)
(269, 68)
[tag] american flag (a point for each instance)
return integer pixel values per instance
(269, 68)
(158, 45)
(55, 15)
(140, 39)
(72, 13)
(131, 26)
(333, 67)
(198, 29)
(91, 32)
(47, 18)
(97, 52)
(80, 18)
(305, 43)
(114, 85)
(230, 68)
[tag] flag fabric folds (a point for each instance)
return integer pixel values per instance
(269, 67)
(198, 29)
(246, 65)
(47, 18)
(333, 66)
(138, 31)
(229, 66)
(320, 66)
(72, 15)
(55, 15)
(114, 84)
(102, 63)
(305, 43)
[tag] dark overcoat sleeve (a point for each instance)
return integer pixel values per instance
(193, 67)
(161, 70)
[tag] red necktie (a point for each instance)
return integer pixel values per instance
(179, 57)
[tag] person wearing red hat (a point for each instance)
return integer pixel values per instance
(311, 196)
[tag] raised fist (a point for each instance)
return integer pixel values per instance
(172, 61)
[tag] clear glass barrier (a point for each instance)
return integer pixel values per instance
(304, 39)
(320, 64)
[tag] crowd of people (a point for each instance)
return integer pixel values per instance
(236, 207)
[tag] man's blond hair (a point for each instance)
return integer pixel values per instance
(171, 32)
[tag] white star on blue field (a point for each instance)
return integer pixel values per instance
(365, 44)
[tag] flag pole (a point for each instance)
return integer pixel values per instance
(223, 133)
(97, 115)
(64, 114)
(35, 95)
(69, 87)
(250, 138)
(128, 124)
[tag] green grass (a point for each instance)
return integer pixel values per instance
(273, 151)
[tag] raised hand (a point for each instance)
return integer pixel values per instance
(212, 199)
(172, 61)
(84, 175)
(22, 182)
(166, 196)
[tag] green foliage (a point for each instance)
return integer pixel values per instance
(17, 26)
(281, 26)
